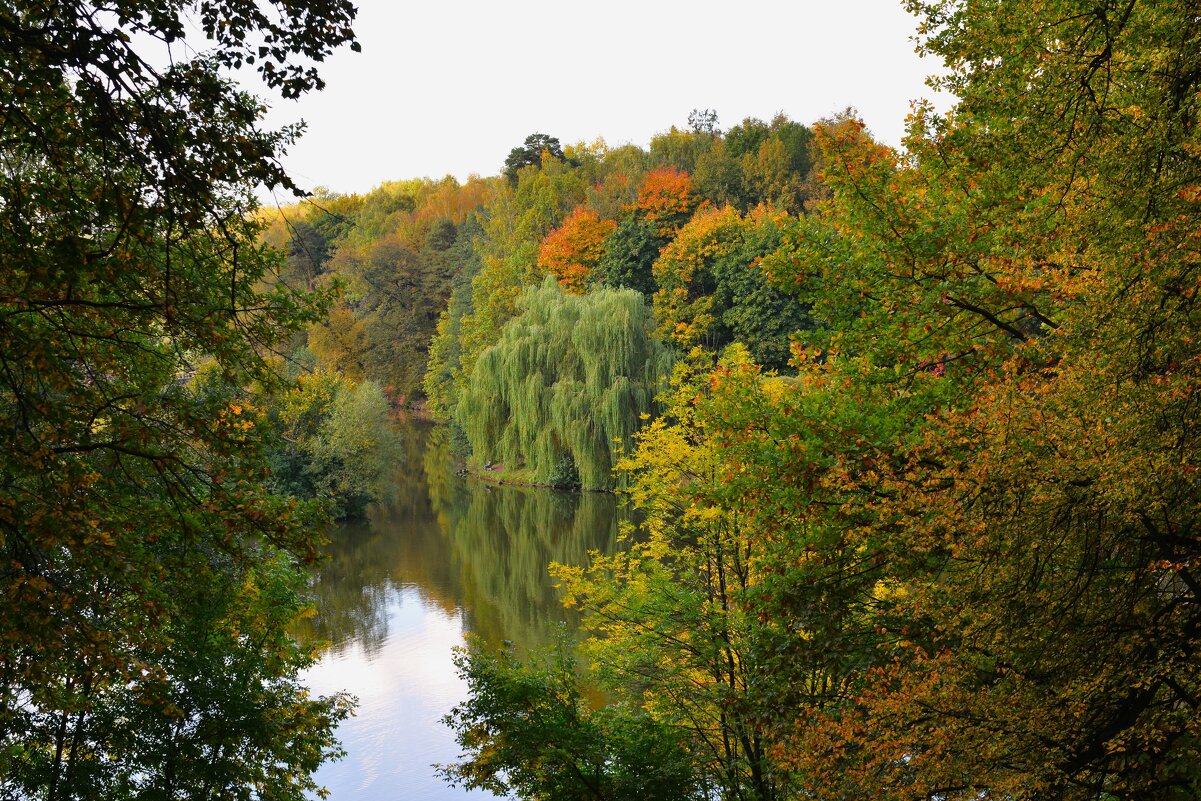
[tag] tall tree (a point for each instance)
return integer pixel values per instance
(572, 251)
(670, 613)
(530, 154)
(130, 253)
(565, 385)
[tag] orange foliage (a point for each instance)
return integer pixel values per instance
(666, 199)
(572, 250)
(453, 201)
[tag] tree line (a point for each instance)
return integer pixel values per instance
(913, 433)
(435, 279)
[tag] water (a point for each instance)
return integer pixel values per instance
(442, 557)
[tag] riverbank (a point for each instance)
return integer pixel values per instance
(520, 477)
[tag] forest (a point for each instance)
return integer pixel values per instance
(540, 311)
(911, 433)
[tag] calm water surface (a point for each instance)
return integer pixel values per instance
(442, 557)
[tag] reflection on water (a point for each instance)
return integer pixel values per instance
(444, 555)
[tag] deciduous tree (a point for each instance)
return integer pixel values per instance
(572, 251)
(529, 731)
(565, 385)
(130, 254)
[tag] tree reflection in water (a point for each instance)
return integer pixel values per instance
(469, 547)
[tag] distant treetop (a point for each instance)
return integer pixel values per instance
(530, 152)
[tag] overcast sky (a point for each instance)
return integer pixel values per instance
(450, 87)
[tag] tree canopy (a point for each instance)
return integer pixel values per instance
(530, 154)
(139, 546)
(950, 552)
(566, 384)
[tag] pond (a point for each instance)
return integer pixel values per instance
(443, 556)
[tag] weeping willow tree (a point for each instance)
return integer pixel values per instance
(568, 380)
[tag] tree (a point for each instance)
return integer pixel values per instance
(958, 547)
(530, 154)
(669, 615)
(528, 730)
(628, 257)
(308, 252)
(331, 440)
(719, 178)
(775, 159)
(130, 255)
(396, 259)
(565, 385)
(396, 291)
(704, 121)
(339, 342)
(678, 149)
(443, 367)
(713, 292)
(572, 251)
(665, 200)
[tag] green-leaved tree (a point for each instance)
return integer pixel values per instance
(565, 386)
(146, 575)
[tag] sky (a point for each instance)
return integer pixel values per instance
(450, 87)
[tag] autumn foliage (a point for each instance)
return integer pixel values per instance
(666, 199)
(571, 251)
(949, 552)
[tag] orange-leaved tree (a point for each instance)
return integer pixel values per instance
(571, 251)
(666, 199)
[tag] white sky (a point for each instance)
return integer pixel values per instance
(450, 87)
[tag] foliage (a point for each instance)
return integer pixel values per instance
(775, 160)
(531, 153)
(679, 150)
(572, 251)
(954, 556)
(973, 506)
(629, 256)
(552, 211)
(516, 221)
(665, 200)
(339, 342)
(332, 440)
(129, 244)
(528, 731)
(671, 632)
(442, 372)
(720, 179)
(395, 255)
(569, 376)
(397, 290)
(712, 291)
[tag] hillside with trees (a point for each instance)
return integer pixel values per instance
(434, 277)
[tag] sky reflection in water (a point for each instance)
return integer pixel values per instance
(442, 557)
(404, 688)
